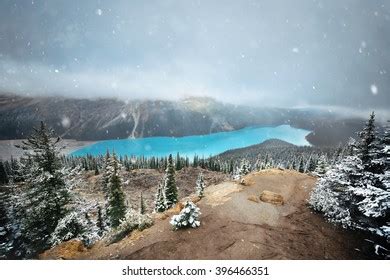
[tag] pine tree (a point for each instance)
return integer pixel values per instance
(231, 167)
(16, 172)
(178, 164)
(322, 166)
(301, 167)
(160, 204)
(4, 232)
(46, 197)
(200, 185)
(107, 173)
(244, 168)
(142, 207)
(100, 221)
(311, 165)
(171, 194)
(367, 147)
(384, 149)
(96, 170)
(116, 208)
(3, 174)
(293, 165)
(331, 194)
(355, 193)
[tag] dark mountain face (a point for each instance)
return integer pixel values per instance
(100, 119)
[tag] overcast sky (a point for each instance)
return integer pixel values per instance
(271, 53)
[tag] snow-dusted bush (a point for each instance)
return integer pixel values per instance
(133, 220)
(76, 225)
(324, 199)
(188, 217)
(70, 227)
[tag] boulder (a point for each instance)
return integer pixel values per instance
(271, 197)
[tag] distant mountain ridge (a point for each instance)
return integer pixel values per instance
(101, 119)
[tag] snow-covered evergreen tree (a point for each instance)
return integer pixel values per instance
(367, 148)
(96, 170)
(384, 149)
(311, 164)
(4, 231)
(170, 188)
(43, 204)
(355, 192)
(78, 223)
(16, 168)
(142, 207)
(115, 207)
(244, 168)
(107, 173)
(71, 226)
(188, 217)
(322, 166)
(160, 204)
(100, 222)
(4, 179)
(331, 195)
(12, 244)
(301, 166)
(200, 185)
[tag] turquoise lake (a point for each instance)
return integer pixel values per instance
(201, 145)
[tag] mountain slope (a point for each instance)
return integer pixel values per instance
(100, 119)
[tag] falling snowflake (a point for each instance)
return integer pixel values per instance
(374, 89)
(295, 50)
(56, 70)
(65, 122)
(363, 45)
(99, 12)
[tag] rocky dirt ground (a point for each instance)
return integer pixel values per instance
(145, 181)
(235, 224)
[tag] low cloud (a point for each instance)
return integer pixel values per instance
(263, 53)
